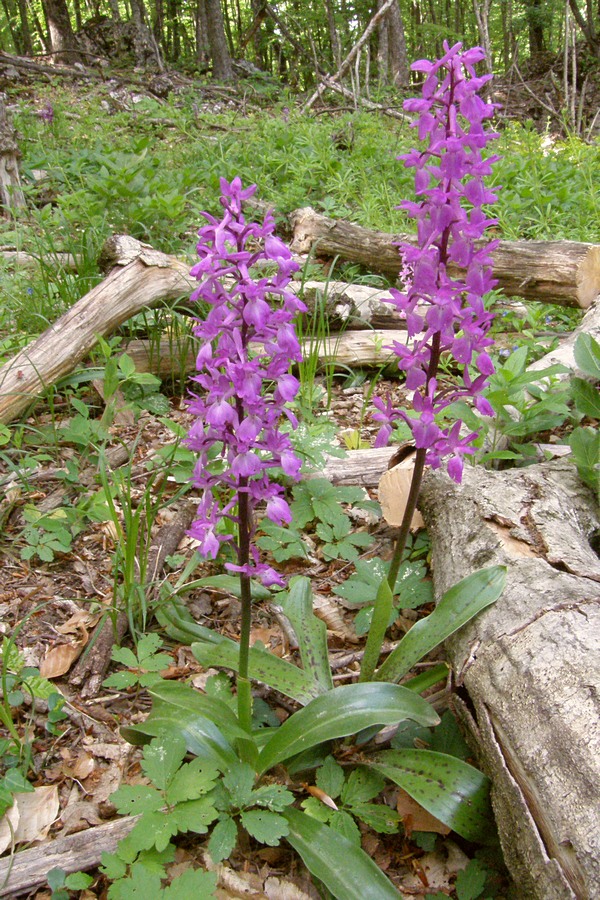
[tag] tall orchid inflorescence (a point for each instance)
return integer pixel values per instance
(247, 343)
(444, 312)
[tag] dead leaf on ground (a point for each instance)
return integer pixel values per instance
(420, 819)
(30, 817)
(59, 659)
(8, 825)
(328, 610)
(394, 487)
(81, 621)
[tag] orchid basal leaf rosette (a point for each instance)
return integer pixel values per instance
(444, 312)
(247, 344)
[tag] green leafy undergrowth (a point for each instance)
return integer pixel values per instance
(412, 588)
(143, 665)
(20, 685)
(585, 439)
(179, 799)
(317, 506)
(342, 798)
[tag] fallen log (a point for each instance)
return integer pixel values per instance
(139, 278)
(27, 870)
(177, 356)
(526, 669)
(564, 353)
(562, 272)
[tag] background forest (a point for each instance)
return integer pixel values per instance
(298, 40)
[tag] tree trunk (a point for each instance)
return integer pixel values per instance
(526, 669)
(481, 9)
(534, 12)
(587, 25)
(383, 50)
(398, 54)
(347, 62)
(11, 193)
(202, 46)
(63, 43)
(219, 51)
(24, 30)
(562, 272)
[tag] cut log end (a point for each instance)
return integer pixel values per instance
(588, 277)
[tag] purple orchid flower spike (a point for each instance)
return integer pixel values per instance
(444, 311)
(248, 342)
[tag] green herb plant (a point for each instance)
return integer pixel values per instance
(20, 685)
(142, 664)
(412, 588)
(584, 440)
(47, 535)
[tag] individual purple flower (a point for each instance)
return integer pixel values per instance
(443, 310)
(247, 343)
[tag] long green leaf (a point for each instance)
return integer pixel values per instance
(310, 631)
(173, 695)
(341, 712)
(264, 666)
(180, 626)
(344, 868)
(450, 789)
(587, 355)
(458, 605)
(379, 623)
(201, 736)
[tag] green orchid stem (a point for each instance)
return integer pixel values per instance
(411, 505)
(417, 476)
(244, 693)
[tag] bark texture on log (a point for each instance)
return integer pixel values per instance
(75, 852)
(565, 352)
(11, 192)
(562, 272)
(530, 664)
(351, 348)
(139, 278)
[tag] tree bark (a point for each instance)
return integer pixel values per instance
(526, 669)
(562, 272)
(351, 348)
(219, 51)
(63, 42)
(398, 54)
(11, 192)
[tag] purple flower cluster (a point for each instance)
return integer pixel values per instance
(445, 313)
(46, 113)
(248, 341)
